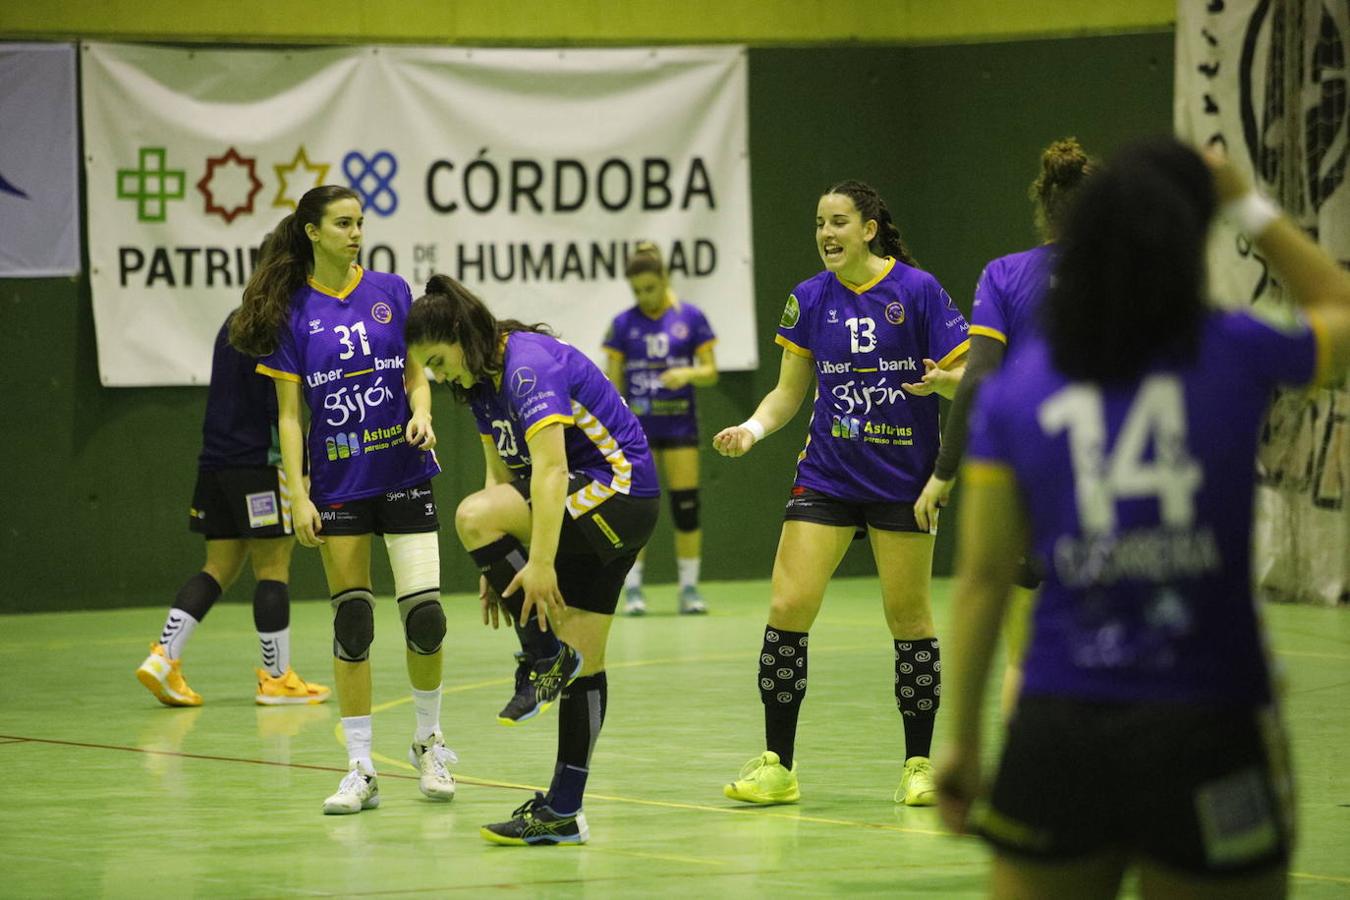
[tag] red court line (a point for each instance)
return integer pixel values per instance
(14, 739)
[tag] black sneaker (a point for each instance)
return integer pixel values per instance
(535, 824)
(553, 673)
(522, 704)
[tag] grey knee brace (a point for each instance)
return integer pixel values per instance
(684, 509)
(423, 621)
(353, 624)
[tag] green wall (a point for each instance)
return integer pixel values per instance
(97, 480)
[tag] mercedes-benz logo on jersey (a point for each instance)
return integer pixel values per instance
(523, 381)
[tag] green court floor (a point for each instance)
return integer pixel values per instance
(109, 794)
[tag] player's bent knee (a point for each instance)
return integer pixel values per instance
(353, 625)
(423, 622)
(684, 509)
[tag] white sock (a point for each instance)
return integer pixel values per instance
(357, 731)
(178, 627)
(688, 569)
(276, 651)
(428, 707)
(634, 577)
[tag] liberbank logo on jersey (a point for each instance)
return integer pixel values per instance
(883, 365)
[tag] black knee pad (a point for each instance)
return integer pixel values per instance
(353, 624)
(423, 621)
(684, 509)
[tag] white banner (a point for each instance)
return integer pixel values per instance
(1268, 79)
(527, 174)
(39, 148)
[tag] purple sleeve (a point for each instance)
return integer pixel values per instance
(285, 359)
(537, 392)
(1287, 354)
(947, 328)
(702, 331)
(988, 313)
(612, 340)
(794, 328)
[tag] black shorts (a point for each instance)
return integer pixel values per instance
(1205, 790)
(597, 548)
(406, 511)
(240, 503)
(809, 505)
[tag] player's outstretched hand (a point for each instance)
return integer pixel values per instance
(540, 584)
(934, 496)
(420, 433)
(958, 784)
(935, 380)
(1229, 182)
(493, 608)
(734, 441)
(307, 522)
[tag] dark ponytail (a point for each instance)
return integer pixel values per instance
(282, 270)
(450, 313)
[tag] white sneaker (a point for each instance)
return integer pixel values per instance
(359, 790)
(635, 602)
(432, 758)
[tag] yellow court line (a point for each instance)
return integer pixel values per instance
(664, 857)
(1311, 877)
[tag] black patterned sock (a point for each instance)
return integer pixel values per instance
(918, 689)
(782, 687)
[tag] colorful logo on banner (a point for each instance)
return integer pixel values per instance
(231, 169)
(296, 177)
(230, 183)
(373, 179)
(151, 184)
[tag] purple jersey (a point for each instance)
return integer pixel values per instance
(348, 351)
(869, 440)
(649, 347)
(1008, 295)
(240, 425)
(545, 380)
(1139, 498)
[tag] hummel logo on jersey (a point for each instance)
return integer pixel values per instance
(315, 326)
(834, 317)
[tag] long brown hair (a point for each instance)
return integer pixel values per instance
(281, 272)
(450, 313)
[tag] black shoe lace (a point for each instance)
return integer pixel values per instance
(528, 806)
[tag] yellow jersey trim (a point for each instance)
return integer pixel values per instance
(277, 374)
(547, 421)
(984, 472)
(708, 343)
(346, 290)
(986, 331)
(792, 348)
(868, 285)
(616, 353)
(958, 351)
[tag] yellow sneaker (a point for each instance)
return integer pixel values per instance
(764, 780)
(287, 689)
(163, 677)
(916, 785)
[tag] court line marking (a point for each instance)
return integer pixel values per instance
(735, 810)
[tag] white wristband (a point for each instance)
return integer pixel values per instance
(1251, 213)
(755, 429)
